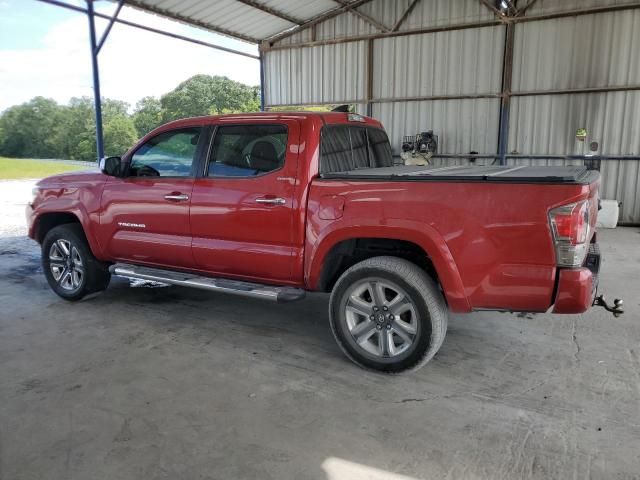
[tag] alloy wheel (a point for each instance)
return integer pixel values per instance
(66, 264)
(381, 317)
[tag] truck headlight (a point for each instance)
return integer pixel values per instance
(35, 191)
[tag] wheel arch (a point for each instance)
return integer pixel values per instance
(46, 221)
(337, 250)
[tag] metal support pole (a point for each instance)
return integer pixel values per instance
(96, 80)
(369, 78)
(505, 102)
(261, 54)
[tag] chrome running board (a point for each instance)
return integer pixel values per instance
(246, 289)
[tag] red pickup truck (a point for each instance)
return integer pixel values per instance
(271, 205)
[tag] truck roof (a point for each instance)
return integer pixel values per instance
(326, 117)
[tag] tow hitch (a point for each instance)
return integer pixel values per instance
(599, 301)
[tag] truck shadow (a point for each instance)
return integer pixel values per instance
(480, 348)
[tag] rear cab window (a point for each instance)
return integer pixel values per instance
(350, 147)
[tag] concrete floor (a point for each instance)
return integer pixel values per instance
(174, 383)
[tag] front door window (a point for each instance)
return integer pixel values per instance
(170, 154)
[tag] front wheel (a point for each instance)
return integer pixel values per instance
(69, 266)
(387, 314)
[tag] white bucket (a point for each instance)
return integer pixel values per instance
(608, 215)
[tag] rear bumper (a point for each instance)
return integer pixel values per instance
(577, 287)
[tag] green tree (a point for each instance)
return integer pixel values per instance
(78, 131)
(77, 136)
(147, 115)
(112, 108)
(119, 135)
(207, 95)
(30, 129)
(40, 128)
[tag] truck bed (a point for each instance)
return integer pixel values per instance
(503, 174)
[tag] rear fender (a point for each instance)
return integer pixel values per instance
(420, 234)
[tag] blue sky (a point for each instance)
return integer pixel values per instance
(44, 51)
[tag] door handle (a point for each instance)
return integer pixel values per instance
(271, 200)
(177, 197)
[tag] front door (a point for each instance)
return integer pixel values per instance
(145, 216)
(242, 208)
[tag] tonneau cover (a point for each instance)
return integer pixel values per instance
(493, 173)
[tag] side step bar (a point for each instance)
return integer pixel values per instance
(247, 289)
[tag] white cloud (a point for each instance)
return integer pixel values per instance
(133, 63)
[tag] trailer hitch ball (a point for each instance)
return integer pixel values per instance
(616, 309)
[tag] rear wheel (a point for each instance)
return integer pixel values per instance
(387, 314)
(69, 266)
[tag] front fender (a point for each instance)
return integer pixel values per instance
(421, 234)
(79, 202)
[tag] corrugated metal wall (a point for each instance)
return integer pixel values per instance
(444, 63)
(462, 126)
(577, 52)
(599, 50)
(316, 75)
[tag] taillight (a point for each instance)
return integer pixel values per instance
(570, 227)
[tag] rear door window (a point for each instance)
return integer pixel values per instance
(247, 150)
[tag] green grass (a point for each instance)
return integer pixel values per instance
(16, 168)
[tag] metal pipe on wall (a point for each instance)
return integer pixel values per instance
(472, 96)
(505, 101)
(370, 77)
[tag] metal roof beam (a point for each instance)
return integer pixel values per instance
(575, 13)
(314, 21)
(460, 26)
(152, 30)
(399, 33)
(367, 18)
(105, 34)
(191, 22)
(522, 10)
(271, 11)
(405, 15)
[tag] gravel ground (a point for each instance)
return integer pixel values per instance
(14, 195)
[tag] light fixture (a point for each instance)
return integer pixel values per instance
(502, 6)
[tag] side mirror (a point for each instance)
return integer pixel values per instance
(112, 166)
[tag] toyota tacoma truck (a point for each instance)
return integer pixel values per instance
(271, 205)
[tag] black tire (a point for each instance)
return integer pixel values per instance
(84, 274)
(426, 313)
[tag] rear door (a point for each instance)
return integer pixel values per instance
(145, 216)
(242, 207)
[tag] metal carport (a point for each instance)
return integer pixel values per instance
(246, 20)
(510, 80)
